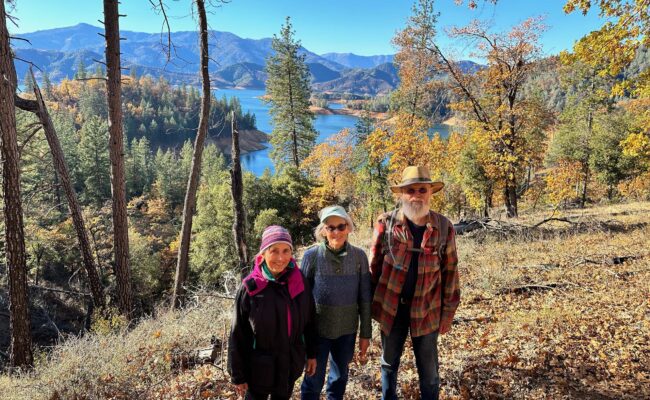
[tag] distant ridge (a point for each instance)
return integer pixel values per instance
(351, 60)
(236, 61)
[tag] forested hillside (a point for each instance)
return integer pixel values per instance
(546, 170)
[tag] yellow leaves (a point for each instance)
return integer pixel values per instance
(156, 334)
(637, 145)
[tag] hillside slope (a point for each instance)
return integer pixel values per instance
(557, 312)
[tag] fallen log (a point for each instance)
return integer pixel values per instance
(530, 288)
(464, 320)
(199, 356)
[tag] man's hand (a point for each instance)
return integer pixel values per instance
(363, 349)
(241, 389)
(310, 368)
(444, 327)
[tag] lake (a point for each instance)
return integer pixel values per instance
(325, 125)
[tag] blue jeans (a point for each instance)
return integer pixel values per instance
(340, 352)
(426, 359)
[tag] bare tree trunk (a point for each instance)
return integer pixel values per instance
(237, 187)
(195, 173)
(585, 175)
(15, 258)
(487, 202)
(61, 170)
(116, 148)
(510, 198)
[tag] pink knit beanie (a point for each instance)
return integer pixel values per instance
(275, 234)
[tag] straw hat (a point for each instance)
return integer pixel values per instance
(416, 174)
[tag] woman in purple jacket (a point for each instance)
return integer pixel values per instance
(273, 330)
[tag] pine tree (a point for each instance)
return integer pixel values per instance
(28, 82)
(288, 89)
(47, 85)
(93, 157)
(20, 348)
(81, 70)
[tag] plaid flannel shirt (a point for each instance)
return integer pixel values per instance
(437, 291)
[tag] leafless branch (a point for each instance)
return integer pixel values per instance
(71, 292)
(28, 62)
(161, 6)
(29, 137)
(19, 38)
(552, 219)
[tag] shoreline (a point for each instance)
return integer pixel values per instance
(346, 111)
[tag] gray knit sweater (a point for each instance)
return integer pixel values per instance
(341, 287)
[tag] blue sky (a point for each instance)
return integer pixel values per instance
(358, 26)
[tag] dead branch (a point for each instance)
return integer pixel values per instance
(620, 259)
(160, 6)
(70, 292)
(530, 288)
(552, 219)
(27, 139)
(19, 38)
(219, 296)
(464, 320)
(25, 104)
(28, 62)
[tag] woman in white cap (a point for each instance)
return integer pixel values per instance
(340, 281)
(273, 329)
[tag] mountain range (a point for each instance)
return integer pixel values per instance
(235, 61)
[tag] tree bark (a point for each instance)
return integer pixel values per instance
(19, 323)
(237, 186)
(510, 198)
(189, 207)
(116, 148)
(61, 170)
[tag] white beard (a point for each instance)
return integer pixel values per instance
(414, 211)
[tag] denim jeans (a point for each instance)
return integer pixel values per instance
(340, 352)
(426, 359)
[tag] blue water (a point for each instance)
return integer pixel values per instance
(326, 125)
(258, 161)
(335, 106)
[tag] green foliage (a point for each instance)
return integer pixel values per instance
(266, 217)
(94, 161)
(172, 170)
(148, 282)
(139, 167)
(288, 93)
(608, 161)
(477, 184)
(370, 196)
(81, 70)
(92, 102)
(267, 200)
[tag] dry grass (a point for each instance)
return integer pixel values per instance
(122, 365)
(581, 333)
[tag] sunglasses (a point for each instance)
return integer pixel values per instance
(340, 227)
(421, 190)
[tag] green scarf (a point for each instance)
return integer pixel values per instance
(269, 275)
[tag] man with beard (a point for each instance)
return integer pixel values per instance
(413, 268)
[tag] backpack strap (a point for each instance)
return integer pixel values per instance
(385, 237)
(443, 229)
